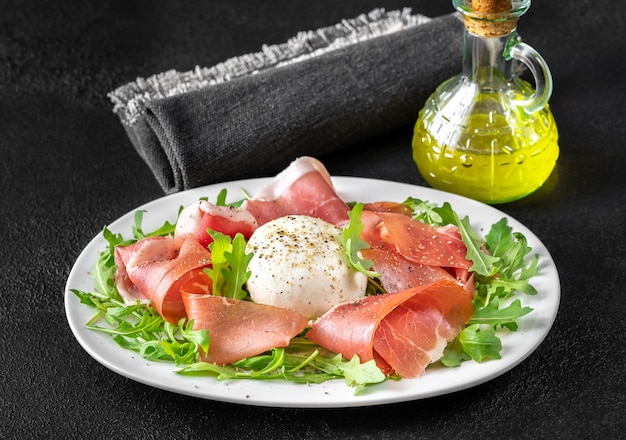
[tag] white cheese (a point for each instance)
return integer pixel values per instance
(300, 263)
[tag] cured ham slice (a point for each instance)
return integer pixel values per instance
(154, 269)
(385, 206)
(197, 218)
(403, 331)
(304, 188)
(398, 273)
(227, 220)
(414, 240)
(240, 329)
(128, 258)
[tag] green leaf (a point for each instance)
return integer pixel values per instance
(300, 362)
(359, 374)
(483, 264)
(219, 247)
(166, 229)
(530, 271)
(209, 369)
(136, 228)
(276, 361)
(512, 285)
(494, 316)
(512, 249)
(104, 269)
(148, 322)
(353, 242)
(431, 213)
(155, 339)
(222, 197)
(454, 355)
(480, 343)
(85, 298)
(199, 338)
(514, 270)
(236, 274)
(111, 238)
(229, 264)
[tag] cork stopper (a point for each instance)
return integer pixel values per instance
(490, 18)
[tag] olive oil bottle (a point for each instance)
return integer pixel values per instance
(486, 133)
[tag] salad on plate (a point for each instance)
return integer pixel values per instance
(296, 284)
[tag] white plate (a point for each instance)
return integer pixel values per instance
(517, 346)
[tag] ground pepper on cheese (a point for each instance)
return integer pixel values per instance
(300, 263)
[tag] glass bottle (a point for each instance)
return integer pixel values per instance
(486, 133)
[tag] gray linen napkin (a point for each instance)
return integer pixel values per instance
(319, 92)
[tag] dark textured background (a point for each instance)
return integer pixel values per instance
(67, 169)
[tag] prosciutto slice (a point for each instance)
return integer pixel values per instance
(403, 331)
(414, 240)
(305, 188)
(398, 273)
(240, 329)
(154, 269)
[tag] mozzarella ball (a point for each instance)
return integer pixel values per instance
(300, 263)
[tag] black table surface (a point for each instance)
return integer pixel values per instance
(68, 168)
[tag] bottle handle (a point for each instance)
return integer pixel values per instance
(521, 51)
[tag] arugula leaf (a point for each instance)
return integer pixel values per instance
(236, 275)
(221, 199)
(184, 350)
(454, 354)
(356, 374)
(300, 362)
(181, 351)
(483, 264)
(166, 229)
(353, 242)
(197, 337)
(219, 247)
(220, 372)
(430, 213)
(140, 328)
(494, 315)
(104, 269)
(475, 342)
(513, 272)
(480, 343)
(512, 248)
(229, 263)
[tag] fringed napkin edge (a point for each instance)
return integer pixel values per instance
(130, 100)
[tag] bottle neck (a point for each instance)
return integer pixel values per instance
(484, 58)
